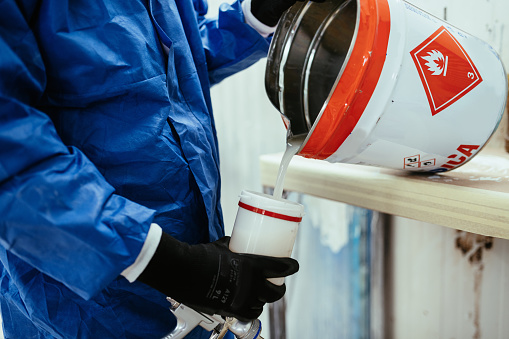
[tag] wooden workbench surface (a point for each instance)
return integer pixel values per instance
(473, 198)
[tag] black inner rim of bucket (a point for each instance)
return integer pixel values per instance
(320, 44)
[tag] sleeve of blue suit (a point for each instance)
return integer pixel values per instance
(230, 46)
(58, 213)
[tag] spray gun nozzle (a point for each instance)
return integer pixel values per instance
(245, 329)
(173, 303)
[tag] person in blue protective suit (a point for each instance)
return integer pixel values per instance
(109, 168)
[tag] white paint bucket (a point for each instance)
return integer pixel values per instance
(413, 92)
(266, 226)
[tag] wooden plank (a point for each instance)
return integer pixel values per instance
(473, 198)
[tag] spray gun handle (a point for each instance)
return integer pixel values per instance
(188, 319)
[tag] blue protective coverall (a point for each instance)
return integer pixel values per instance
(106, 127)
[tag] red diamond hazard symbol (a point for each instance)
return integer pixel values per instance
(446, 70)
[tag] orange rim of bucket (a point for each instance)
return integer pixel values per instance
(357, 83)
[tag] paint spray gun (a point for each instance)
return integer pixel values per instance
(188, 319)
(264, 225)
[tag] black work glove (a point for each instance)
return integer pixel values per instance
(268, 12)
(214, 280)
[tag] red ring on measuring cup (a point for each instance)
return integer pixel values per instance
(269, 213)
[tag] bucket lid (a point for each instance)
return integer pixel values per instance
(307, 52)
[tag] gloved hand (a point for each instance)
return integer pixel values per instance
(269, 11)
(214, 280)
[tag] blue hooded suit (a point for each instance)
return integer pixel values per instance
(106, 126)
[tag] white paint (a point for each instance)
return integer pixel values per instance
(261, 233)
(292, 147)
(490, 165)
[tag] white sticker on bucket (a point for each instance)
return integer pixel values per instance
(377, 154)
(415, 161)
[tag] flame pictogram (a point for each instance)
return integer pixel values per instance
(442, 84)
(436, 62)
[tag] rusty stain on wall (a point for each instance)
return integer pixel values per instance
(472, 246)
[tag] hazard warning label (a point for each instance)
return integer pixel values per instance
(446, 71)
(415, 162)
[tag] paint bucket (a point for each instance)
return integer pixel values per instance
(266, 226)
(383, 83)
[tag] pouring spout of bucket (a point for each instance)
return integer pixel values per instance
(291, 138)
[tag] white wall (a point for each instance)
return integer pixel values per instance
(448, 284)
(485, 19)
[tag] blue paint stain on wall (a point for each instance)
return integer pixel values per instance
(329, 297)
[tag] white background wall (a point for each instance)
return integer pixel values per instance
(485, 19)
(443, 288)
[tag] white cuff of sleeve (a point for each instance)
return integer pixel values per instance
(252, 21)
(147, 252)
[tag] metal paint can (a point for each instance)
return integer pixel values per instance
(383, 83)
